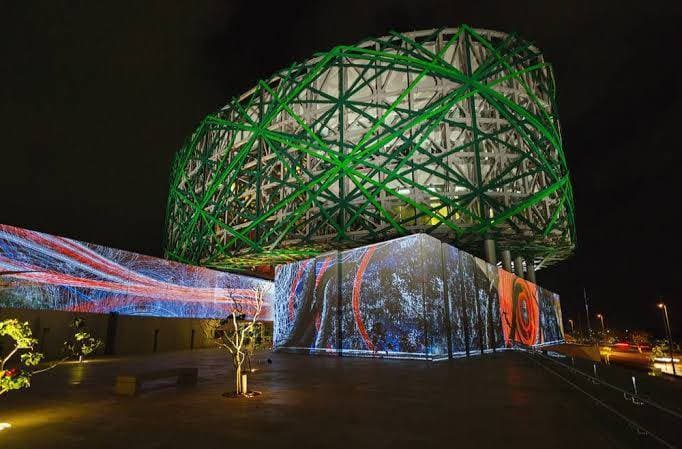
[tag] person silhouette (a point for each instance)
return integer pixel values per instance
(378, 338)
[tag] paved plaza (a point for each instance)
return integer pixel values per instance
(502, 400)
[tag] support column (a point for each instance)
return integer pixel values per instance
(489, 251)
(530, 270)
(518, 266)
(506, 260)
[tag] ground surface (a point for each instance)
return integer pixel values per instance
(503, 400)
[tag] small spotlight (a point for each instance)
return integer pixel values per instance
(5, 425)
(660, 305)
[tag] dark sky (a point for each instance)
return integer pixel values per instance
(95, 99)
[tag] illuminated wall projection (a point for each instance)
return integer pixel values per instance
(50, 272)
(412, 297)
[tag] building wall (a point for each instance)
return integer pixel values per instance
(43, 271)
(134, 334)
(413, 297)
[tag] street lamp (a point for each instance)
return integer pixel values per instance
(662, 305)
(601, 318)
(570, 321)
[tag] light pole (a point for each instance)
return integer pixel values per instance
(601, 318)
(662, 305)
(587, 314)
(570, 321)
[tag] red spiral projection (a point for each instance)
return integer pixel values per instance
(323, 269)
(519, 309)
(357, 283)
(527, 325)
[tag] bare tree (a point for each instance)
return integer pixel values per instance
(640, 338)
(236, 331)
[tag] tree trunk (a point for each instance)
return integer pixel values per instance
(238, 380)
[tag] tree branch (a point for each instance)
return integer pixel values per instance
(9, 356)
(58, 362)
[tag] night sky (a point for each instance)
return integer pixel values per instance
(95, 100)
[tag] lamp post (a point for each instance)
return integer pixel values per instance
(601, 318)
(587, 314)
(662, 305)
(570, 321)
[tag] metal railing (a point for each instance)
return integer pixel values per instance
(633, 397)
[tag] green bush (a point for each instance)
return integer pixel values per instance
(23, 345)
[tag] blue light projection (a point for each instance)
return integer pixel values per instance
(49, 272)
(412, 297)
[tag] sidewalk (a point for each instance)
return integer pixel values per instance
(498, 400)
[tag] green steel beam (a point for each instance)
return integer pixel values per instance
(335, 152)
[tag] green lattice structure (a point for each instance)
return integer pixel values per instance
(450, 132)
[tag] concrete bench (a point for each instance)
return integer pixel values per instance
(129, 385)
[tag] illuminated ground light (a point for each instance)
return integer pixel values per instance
(666, 367)
(4, 425)
(665, 360)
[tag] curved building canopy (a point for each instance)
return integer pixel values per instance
(450, 132)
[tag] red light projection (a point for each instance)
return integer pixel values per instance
(357, 283)
(519, 309)
(51, 272)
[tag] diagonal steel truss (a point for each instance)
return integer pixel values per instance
(450, 132)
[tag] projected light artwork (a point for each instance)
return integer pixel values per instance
(412, 297)
(50, 272)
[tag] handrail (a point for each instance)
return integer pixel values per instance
(595, 379)
(641, 430)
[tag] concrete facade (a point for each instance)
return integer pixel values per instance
(133, 334)
(413, 297)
